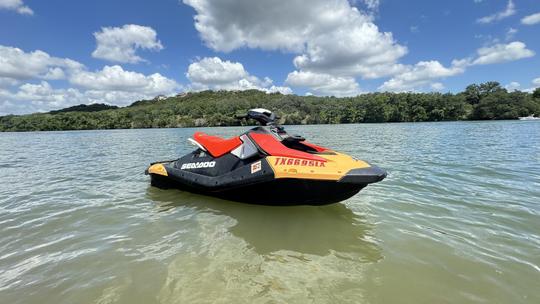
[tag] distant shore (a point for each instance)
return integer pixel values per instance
(488, 101)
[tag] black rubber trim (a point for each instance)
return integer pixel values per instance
(236, 178)
(368, 175)
(276, 192)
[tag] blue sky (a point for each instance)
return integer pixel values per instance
(60, 53)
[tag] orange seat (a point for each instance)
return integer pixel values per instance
(215, 145)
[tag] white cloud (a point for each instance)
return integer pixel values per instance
(119, 44)
(115, 78)
(37, 98)
(44, 93)
(324, 84)
(42, 97)
(535, 84)
(212, 71)
(372, 4)
(512, 86)
(437, 86)
(330, 37)
(279, 89)
(17, 64)
(423, 74)
(228, 25)
(355, 49)
(216, 74)
(503, 52)
(112, 84)
(7, 82)
(16, 5)
(334, 40)
(531, 19)
(509, 11)
(511, 33)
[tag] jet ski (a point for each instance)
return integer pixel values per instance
(265, 165)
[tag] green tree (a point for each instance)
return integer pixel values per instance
(217, 108)
(536, 93)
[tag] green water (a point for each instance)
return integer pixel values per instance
(456, 221)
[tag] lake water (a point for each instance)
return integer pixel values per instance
(456, 221)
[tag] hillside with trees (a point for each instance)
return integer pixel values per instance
(95, 107)
(487, 101)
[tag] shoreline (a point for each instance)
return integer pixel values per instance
(288, 125)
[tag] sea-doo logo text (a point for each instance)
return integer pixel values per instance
(281, 161)
(198, 165)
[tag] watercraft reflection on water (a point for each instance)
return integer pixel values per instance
(302, 229)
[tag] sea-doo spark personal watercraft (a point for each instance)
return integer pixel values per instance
(265, 165)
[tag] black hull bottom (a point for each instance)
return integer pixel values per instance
(278, 192)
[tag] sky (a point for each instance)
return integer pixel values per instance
(55, 54)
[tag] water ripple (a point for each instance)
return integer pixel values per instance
(457, 220)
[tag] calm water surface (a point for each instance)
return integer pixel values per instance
(456, 221)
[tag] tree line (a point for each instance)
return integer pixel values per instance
(486, 101)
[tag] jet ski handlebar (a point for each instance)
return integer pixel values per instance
(263, 116)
